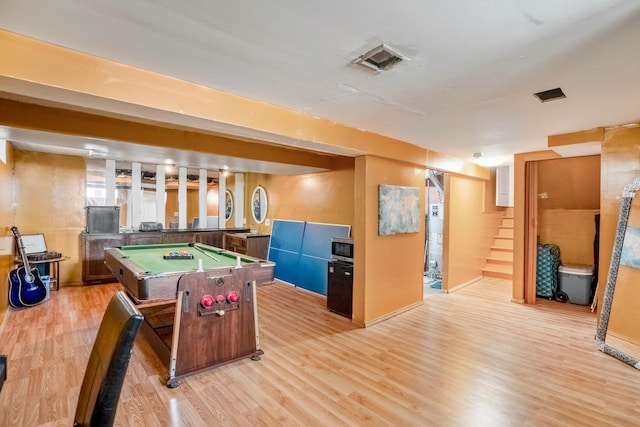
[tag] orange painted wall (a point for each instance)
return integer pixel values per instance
(388, 270)
(469, 230)
(620, 165)
(322, 197)
(50, 199)
(7, 212)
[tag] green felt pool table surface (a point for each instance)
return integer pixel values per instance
(147, 275)
(150, 258)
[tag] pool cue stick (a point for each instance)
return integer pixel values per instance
(207, 254)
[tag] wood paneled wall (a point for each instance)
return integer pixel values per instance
(569, 183)
(573, 230)
(568, 200)
(50, 199)
(620, 166)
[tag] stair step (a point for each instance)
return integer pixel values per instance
(501, 256)
(503, 244)
(501, 261)
(503, 241)
(507, 222)
(497, 275)
(498, 271)
(505, 232)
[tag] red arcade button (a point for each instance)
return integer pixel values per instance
(206, 301)
(232, 296)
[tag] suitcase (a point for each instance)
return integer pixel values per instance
(547, 270)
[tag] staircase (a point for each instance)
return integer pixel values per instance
(500, 259)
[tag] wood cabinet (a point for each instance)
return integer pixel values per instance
(211, 239)
(145, 238)
(93, 245)
(255, 245)
(181, 237)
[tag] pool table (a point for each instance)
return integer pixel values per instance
(147, 275)
(199, 302)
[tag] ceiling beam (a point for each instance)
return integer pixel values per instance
(591, 135)
(75, 78)
(70, 122)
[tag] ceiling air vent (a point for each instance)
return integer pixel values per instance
(550, 95)
(379, 58)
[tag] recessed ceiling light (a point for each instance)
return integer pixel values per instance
(97, 153)
(550, 95)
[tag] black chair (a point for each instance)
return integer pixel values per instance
(108, 362)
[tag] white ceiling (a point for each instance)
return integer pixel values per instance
(466, 87)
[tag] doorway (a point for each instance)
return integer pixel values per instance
(562, 211)
(434, 228)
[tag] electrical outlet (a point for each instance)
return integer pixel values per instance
(267, 222)
(6, 245)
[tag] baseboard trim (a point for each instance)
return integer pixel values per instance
(389, 315)
(464, 285)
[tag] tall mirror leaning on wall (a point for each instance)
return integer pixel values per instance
(618, 334)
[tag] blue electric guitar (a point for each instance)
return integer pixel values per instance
(25, 286)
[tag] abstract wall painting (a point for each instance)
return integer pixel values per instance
(398, 210)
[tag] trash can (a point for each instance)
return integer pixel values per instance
(575, 283)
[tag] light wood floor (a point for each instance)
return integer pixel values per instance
(471, 358)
